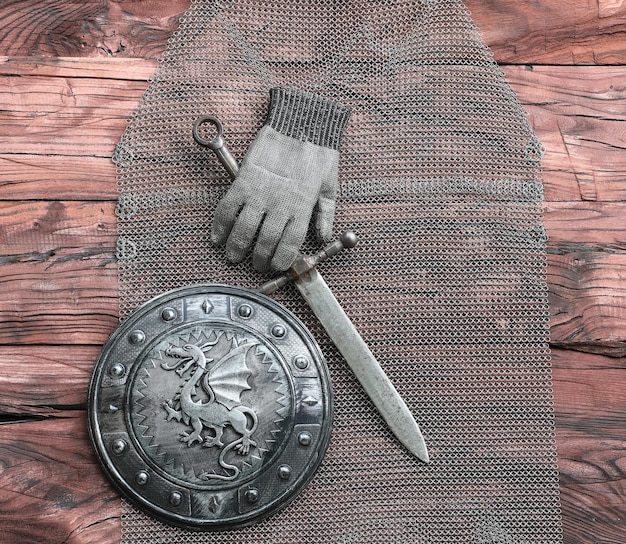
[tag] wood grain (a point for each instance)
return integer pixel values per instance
(563, 32)
(590, 395)
(71, 72)
(43, 224)
(128, 69)
(26, 391)
(58, 272)
(88, 28)
(51, 490)
(59, 269)
(53, 115)
(577, 113)
(27, 176)
(64, 296)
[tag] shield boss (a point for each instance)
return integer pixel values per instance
(210, 407)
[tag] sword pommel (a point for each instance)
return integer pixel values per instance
(305, 263)
(348, 239)
(216, 143)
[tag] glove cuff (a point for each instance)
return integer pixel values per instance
(307, 117)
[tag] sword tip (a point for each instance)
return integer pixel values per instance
(417, 447)
(422, 455)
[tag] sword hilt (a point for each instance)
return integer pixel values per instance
(305, 263)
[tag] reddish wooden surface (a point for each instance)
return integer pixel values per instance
(72, 71)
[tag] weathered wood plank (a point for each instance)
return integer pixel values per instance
(59, 177)
(587, 299)
(586, 273)
(590, 394)
(58, 272)
(88, 28)
(594, 513)
(590, 388)
(593, 482)
(65, 116)
(540, 32)
(578, 114)
(58, 267)
(553, 31)
(44, 381)
(68, 297)
(130, 69)
(51, 489)
(594, 225)
(43, 226)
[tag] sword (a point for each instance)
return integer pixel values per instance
(333, 318)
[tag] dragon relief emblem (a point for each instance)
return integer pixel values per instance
(222, 380)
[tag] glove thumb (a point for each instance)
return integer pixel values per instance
(326, 203)
(325, 218)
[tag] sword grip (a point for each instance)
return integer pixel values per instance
(274, 285)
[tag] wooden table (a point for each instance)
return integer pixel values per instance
(73, 71)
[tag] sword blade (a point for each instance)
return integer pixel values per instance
(362, 363)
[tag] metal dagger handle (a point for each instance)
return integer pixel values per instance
(216, 144)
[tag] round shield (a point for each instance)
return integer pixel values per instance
(210, 407)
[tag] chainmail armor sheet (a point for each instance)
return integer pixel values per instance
(440, 177)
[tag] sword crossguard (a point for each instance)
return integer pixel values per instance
(305, 263)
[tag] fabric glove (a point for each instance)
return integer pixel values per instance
(290, 168)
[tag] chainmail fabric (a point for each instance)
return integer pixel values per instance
(440, 177)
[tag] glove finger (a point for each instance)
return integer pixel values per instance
(289, 245)
(269, 236)
(224, 219)
(325, 218)
(243, 232)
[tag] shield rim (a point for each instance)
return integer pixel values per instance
(200, 524)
